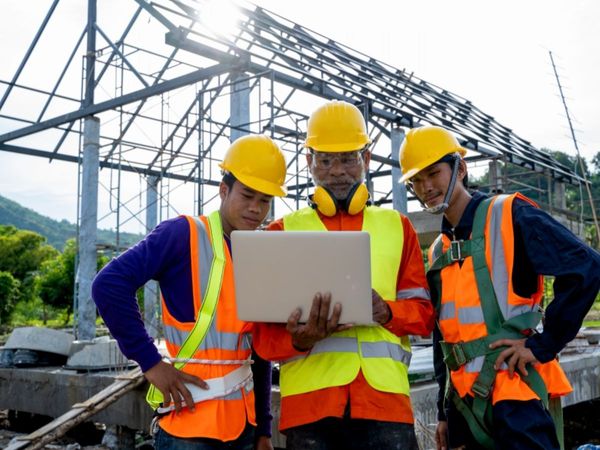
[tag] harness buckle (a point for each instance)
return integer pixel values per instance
(480, 389)
(455, 252)
(458, 355)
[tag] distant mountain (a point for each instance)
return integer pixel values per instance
(56, 232)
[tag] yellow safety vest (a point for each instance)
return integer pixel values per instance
(382, 356)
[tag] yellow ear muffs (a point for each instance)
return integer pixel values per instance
(324, 201)
(357, 199)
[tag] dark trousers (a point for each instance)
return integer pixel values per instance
(165, 441)
(333, 433)
(517, 425)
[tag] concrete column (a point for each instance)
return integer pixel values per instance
(400, 200)
(151, 303)
(86, 309)
(496, 185)
(240, 106)
(560, 200)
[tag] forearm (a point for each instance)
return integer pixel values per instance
(273, 342)
(411, 316)
(573, 298)
(117, 305)
(551, 249)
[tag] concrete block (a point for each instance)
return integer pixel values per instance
(40, 339)
(427, 226)
(97, 355)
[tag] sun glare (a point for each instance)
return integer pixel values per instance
(221, 16)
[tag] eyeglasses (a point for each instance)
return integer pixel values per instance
(347, 159)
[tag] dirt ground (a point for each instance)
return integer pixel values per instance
(582, 426)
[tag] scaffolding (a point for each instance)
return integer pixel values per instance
(160, 90)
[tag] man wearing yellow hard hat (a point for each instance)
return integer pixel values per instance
(190, 258)
(486, 284)
(347, 387)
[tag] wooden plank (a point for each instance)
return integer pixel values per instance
(78, 413)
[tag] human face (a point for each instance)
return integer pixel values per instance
(242, 208)
(430, 184)
(338, 172)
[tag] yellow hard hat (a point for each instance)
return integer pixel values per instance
(337, 126)
(424, 146)
(257, 162)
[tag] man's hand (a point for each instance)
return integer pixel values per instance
(381, 310)
(170, 382)
(441, 433)
(515, 355)
(318, 326)
(263, 443)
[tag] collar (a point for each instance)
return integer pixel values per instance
(462, 231)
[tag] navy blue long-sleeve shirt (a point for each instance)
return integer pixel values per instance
(164, 255)
(542, 247)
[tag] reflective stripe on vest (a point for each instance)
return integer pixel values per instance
(382, 356)
(208, 347)
(460, 314)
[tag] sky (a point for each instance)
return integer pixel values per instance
(493, 53)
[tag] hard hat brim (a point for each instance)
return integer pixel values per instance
(424, 164)
(261, 186)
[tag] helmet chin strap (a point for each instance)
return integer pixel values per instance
(442, 207)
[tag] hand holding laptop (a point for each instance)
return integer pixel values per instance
(318, 326)
(382, 313)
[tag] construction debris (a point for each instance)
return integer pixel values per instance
(78, 413)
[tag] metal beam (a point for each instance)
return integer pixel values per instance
(103, 164)
(132, 97)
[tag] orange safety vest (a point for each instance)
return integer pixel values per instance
(228, 338)
(460, 314)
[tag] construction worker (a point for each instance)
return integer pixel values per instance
(203, 393)
(486, 283)
(341, 386)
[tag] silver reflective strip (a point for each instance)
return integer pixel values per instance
(447, 311)
(215, 339)
(517, 310)
(499, 273)
(174, 335)
(474, 365)
(205, 255)
(330, 344)
(470, 315)
(336, 344)
(413, 293)
(385, 350)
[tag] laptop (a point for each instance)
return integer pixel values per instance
(276, 272)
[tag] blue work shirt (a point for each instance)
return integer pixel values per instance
(542, 247)
(163, 255)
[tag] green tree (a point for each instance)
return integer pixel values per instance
(54, 284)
(22, 251)
(21, 254)
(9, 295)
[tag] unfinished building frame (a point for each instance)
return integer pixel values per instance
(162, 88)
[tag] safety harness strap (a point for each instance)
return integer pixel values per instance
(209, 305)
(478, 410)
